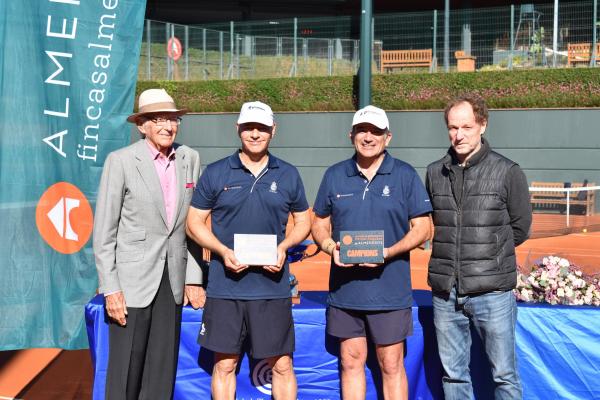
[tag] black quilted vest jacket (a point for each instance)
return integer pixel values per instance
(473, 244)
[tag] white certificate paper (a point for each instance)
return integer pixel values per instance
(255, 249)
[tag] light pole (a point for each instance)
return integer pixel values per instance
(364, 72)
(554, 35)
(447, 36)
(594, 38)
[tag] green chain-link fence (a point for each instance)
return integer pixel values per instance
(330, 46)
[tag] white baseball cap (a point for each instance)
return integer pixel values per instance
(371, 115)
(256, 111)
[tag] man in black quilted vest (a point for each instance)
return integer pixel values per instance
(481, 212)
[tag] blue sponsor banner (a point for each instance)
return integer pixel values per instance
(315, 358)
(67, 82)
(557, 350)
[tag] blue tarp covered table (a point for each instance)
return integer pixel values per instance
(558, 349)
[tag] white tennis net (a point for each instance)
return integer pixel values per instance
(563, 208)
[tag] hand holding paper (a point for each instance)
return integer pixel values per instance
(231, 262)
(281, 255)
(256, 249)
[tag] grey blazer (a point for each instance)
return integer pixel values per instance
(132, 239)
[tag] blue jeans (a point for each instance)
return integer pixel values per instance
(493, 316)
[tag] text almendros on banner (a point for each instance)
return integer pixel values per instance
(87, 146)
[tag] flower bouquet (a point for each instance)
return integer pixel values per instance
(555, 280)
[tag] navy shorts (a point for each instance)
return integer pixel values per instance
(267, 324)
(382, 327)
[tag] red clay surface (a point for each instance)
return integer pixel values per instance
(582, 249)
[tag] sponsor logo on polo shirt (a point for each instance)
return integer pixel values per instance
(232, 187)
(344, 195)
(203, 329)
(273, 188)
(262, 377)
(386, 191)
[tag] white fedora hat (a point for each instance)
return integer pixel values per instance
(155, 101)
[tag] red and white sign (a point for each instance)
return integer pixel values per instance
(174, 48)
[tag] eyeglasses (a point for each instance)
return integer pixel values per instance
(166, 121)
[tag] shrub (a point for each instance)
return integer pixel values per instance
(538, 88)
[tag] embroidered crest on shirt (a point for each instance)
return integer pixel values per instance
(386, 191)
(203, 329)
(273, 187)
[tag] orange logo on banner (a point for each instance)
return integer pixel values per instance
(64, 218)
(347, 240)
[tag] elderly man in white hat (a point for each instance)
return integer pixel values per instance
(140, 246)
(372, 191)
(250, 192)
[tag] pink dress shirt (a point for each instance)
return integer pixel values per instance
(165, 168)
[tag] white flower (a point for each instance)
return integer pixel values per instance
(563, 262)
(589, 290)
(568, 292)
(560, 292)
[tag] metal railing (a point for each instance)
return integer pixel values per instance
(211, 54)
(509, 37)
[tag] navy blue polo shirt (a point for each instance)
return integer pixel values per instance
(394, 196)
(242, 203)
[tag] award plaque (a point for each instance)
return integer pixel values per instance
(361, 247)
(255, 249)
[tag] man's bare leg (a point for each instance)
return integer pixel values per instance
(284, 383)
(353, 356)
(391, 363)
(223, 376)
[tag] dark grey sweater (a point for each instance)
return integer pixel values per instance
(518, 206)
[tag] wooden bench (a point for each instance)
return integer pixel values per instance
(550, 198)
(391, 59)
(581, 53)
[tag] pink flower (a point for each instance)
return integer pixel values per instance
(555, 280)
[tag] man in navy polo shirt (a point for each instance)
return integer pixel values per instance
(371, 191)
(249, 192)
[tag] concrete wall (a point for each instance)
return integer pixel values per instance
(550, 145)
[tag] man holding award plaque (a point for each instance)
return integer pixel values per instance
(370, 211)
(249, 196)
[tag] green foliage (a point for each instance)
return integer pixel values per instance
(539, 88)
(537, 41)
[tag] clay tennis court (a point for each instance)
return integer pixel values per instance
(550, 236)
